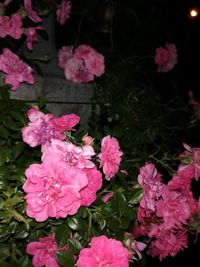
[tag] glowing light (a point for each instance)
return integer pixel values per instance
(193, 13)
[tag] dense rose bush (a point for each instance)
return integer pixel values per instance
(70, 198)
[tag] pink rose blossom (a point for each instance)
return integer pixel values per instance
(192, 155)
(173, 208)
(93, 60)
(17, 71)
(104, 252)
(11, 26)
(66, 122)
(87, 140)
(88, 194)
(110, 156)
(63, 11)
(44, 252)
(70, 154)
(65, 53)
(53, 189)
(44, 127)
(31, 34)
(107, 196)
(76, 71)
(168, 244)
(166, 57)
(32, 14)
(148, 174)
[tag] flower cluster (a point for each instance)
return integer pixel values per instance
(82, 65)
(166, 57)
(67, 177)
(166, 210)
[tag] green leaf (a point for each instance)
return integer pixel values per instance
(73, 223)
(4, 133)
(18, 149)
(21, 232)
(120, 203)
(62, 235)
(41, 102)
(65, 258)
(75, 245)
(23, 261)
(4, 92)
(4, 264)
(136, 195)
(4, 251)
(4, 155)
(18, 116)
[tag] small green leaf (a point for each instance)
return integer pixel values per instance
(75, 245)
(73, 223)
(18, 149)
(4, 92)
(4, 155)
(65, 258)
(136, 195)
(4, 133)
(62, 235)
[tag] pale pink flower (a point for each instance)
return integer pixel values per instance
(104, 252)
(44, 127)
(87, 140)
(110, 156)
(53, 189)
(11, 26)
(32, 14)
(107, 196)
(76, 71)
(65, 53)
(31, 34)
(16, 70)
(166, 57)
(93, 60)
(168, 243)
(70, 154)
(63, 11)
(88, 194)
(44, 251)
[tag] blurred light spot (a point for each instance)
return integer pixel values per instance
(194, 13)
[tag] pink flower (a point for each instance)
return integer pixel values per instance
(110, 156)
(87, 140)
(65, 53)
(166, 57)
(11, 26)
(93, 60)
(66, 122)
(44, 252)
(32, 14)
(107, 196)
(88, 194)
(17, 71)
(70, 154)
(53, 189)
(104, 252)
(168, 243)
(31, 34)
(44, 127)
(173, 208)
(192, 155)
(76, 71)
(148, 174)
(63, 11)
